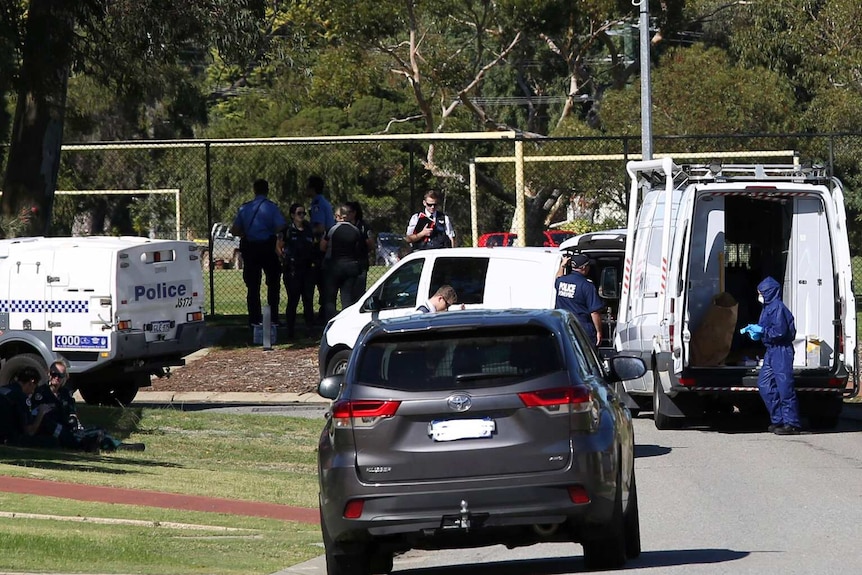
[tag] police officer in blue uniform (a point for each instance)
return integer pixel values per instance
(258, 222)
(19, 418)
(322, 217)
(577, 294)
(776, 328)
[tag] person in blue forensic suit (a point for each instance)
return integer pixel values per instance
(257, 223)
(776, 328)
(577, 294)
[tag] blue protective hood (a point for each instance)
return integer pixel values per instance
(770, 289)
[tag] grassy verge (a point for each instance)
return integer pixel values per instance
(70, 536)
(228, 293)
(245, 457)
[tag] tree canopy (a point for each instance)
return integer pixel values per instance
(156, 69)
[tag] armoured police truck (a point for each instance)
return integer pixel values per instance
(700, 239)
(117, 309)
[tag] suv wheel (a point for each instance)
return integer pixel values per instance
(608, 549)
(632, 523)
(381, 562)
(340, 562)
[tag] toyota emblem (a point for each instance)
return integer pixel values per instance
(459, 402)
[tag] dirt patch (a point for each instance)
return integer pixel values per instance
(284, 369)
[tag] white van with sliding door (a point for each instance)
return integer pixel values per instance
(482, 277)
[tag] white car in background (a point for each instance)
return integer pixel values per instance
(225, 247)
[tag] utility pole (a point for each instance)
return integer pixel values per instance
(646, 90)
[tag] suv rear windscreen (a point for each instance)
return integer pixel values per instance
(470, 358)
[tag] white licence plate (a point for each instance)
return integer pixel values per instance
(454, 429)
(160, 326)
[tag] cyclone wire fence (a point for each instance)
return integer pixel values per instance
(490, 181)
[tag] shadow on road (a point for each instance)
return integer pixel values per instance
(563, 565)
(649, 450)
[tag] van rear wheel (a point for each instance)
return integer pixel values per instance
(236, 261)
(659, 399)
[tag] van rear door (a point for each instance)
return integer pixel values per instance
(844, 270)
(159, 288)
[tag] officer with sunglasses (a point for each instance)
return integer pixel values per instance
(61, 421)
(430, 228)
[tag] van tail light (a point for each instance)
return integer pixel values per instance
(687, 381)
(837, 382)
(352, 413)
(124, 324)
(578, 397)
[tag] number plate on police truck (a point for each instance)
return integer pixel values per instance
(161, 326)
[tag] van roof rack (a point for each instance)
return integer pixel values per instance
(717, 172)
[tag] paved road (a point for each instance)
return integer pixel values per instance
(713, 501)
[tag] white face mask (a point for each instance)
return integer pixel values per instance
(760, 298)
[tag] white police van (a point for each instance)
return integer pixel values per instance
(116, 309)
(493, 278)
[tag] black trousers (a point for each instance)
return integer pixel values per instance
(299, 285)
(339, 275)
(259, 258)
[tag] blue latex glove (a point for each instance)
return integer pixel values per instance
(752, 330)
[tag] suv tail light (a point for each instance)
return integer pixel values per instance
(578, 397)
(349, 413)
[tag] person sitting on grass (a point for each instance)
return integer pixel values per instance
(19, 418)
(62, 421)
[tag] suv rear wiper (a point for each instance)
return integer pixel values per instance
(479, 376)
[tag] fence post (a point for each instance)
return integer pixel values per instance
(208, 163)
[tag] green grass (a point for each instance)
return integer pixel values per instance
(208, 543)
(246, 457)
(230, 291)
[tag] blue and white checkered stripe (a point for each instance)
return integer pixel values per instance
(44, 306)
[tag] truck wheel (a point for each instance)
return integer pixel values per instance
(111, 392)
(236, 260)
(16, 363)
(338, 364)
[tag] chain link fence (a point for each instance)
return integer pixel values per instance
(491, 182)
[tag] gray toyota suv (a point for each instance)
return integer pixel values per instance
(469, 428)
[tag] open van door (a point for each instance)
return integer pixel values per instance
(844, 269)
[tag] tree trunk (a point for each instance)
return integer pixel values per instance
(37, 130)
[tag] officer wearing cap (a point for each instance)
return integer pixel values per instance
(577, 294)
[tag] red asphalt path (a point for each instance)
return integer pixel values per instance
(81, 492)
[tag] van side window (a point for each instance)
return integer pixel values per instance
(466, 275)
(401, 288)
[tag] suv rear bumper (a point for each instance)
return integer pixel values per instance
(480, 509)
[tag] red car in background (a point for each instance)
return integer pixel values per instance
(553, 238)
